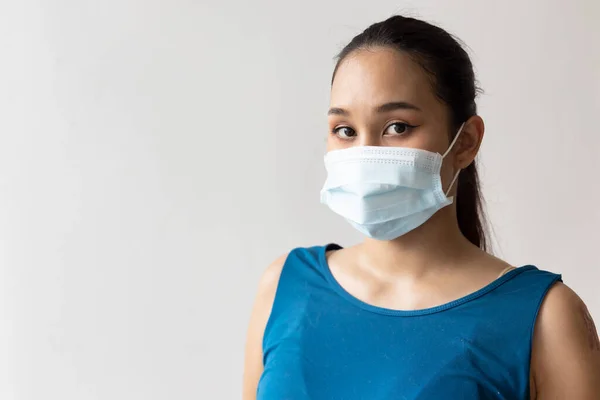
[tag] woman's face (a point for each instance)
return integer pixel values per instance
(381, 97)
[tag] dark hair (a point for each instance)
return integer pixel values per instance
(453, 81)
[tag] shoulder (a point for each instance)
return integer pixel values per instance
(562, 311)
(265, 295)
(253, 364)
(565, 357)
(270, 276)
(267, 285)
(560, 298)
(303, 261)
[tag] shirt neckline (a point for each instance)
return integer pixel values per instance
(410, 313)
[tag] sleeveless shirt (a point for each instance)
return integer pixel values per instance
(320, 342)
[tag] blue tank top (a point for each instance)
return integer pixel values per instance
(320, 342)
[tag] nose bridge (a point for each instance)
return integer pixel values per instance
(370, 137)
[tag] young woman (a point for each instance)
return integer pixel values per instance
(419, 310)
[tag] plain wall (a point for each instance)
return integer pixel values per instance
(156, 156)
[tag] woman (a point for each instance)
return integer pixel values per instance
(419, 310)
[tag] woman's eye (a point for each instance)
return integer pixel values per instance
(344, 132)
(398, 128)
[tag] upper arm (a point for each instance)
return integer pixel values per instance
(565, 361)
(253, 359)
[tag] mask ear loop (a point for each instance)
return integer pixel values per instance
(454, 141)
(452, 183)
(448, 151)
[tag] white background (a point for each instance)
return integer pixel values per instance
(155, 156)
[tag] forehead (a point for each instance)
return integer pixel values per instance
(378, 75)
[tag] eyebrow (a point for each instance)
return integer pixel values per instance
(387, 107)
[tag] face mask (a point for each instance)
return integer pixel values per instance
(385, 192)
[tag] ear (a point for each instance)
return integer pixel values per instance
(469, 142)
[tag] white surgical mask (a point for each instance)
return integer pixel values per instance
(385, 192)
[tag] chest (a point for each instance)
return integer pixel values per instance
(347, 354)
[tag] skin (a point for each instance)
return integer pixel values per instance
(433, 264)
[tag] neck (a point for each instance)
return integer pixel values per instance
(435, 245)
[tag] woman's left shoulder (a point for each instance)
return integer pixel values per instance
(565, 360)
(563, 309)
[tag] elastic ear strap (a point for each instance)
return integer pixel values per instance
(452, 183)
(455, 139)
